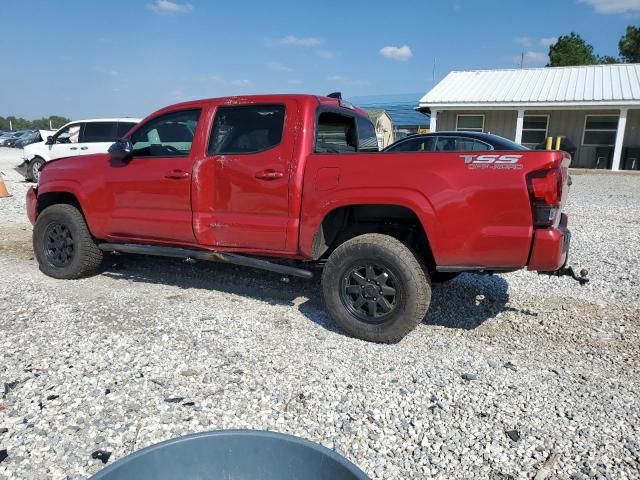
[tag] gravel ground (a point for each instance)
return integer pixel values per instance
(507, 373)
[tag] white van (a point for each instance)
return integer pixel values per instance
(81, 137)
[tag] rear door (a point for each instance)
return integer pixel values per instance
(96, 137)
(250, 152)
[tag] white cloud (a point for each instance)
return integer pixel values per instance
(301, 41)
(400, 54)
(167, 7)
(525, 42)
(278, 67)
(548, 41)
(614, 6)
(294, 81)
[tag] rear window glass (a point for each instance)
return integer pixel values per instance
(367, 138)
(454, 144)
(414, 145)
(99, 132)
(246, 129)
(336, 133)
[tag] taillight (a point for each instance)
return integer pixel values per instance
(545, 191)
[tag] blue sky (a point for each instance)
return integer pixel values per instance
(89, 58)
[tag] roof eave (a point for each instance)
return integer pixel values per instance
(530, 105)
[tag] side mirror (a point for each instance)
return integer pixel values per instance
(121, 150)
(49, 140)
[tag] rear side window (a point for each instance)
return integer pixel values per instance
(367, 139)
(99, 132)
(169, 135)
(336, 133)
(123, 128)
(454, 144)
(414, 145)
(246, 129)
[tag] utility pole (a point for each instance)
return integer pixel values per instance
(50, 126)
(522, 60)
(10, 125)
(433, 74)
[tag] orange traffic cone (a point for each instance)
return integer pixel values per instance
(3, 189)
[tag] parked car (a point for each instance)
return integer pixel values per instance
(9, 138)
(299, 178)
(27, 139)
(81, 137)
(453, 142)
(11, 142)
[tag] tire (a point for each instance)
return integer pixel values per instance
(442, 277)
(33, 173)
(370, 257)
(63, 245)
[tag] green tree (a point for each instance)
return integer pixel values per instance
(571, 50)
(629, 45)
(43, 123)
(607, 60)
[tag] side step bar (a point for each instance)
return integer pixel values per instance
(207, 255)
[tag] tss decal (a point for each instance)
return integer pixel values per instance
(493, 161)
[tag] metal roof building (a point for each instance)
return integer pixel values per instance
(394, 116)
(597, 107)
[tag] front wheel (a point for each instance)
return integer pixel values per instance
(34, 169)
(376, 288)
(63, 245)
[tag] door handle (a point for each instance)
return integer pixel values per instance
(73, 148)
(176, 174)
(269, 174)
(84, 148)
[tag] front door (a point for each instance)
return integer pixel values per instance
(150, 193)
(66, 142)
(250, 151)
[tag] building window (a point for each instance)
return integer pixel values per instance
(535, 129)
(470, 123)
(600, 130)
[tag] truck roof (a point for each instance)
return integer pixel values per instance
(273, 98)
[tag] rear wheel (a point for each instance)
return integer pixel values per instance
(376, 288)
(63, 245)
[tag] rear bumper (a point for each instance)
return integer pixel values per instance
(32, 204)
(550, 248)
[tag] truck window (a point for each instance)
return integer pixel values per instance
(336, 133)
(70, 134)
(367, 139)
(169, 135)
(246, 129)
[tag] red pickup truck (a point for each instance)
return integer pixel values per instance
(286, 182)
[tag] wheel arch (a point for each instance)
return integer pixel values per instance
(348, 221)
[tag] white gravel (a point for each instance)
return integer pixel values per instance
(89, 364)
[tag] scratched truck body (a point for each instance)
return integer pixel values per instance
(286, 182)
